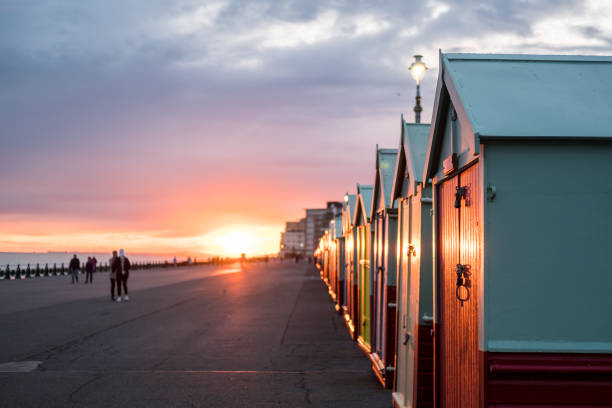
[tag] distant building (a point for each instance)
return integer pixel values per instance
(293, 239)
(317, 220)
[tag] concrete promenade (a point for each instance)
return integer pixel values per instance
(265, 336)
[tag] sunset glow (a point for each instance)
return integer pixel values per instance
(237, 242)
(181, 125)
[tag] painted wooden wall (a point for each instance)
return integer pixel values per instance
(548, 239)
(458, 241)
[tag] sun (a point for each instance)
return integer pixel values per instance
(235, 243)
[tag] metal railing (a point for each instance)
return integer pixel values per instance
(29, 271)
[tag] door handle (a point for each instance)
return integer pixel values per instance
(406, 338)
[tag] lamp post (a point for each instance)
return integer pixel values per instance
(417, 70)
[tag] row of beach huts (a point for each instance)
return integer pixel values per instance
(475, 268)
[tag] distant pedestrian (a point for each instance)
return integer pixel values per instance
(121, 265)
(74, 267)
(95, 263)
(113, 275)
(89, 268)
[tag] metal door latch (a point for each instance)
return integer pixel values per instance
(463, 280)
(411, 250)
(406, 339)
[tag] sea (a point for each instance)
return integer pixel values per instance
(13, 259)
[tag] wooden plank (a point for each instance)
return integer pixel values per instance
(467, 315)
(448, 257)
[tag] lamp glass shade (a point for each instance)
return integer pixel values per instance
(417, 68)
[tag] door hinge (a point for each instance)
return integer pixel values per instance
(460, 194)
(427, 319)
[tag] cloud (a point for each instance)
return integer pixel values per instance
(181, 117)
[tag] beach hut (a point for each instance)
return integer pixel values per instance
(335, 245)
(348, 217)
(520, 157)
(330, 277)
(339, 265)
(414, 360)
(325, 256)
(321, 255)
(384, 266)
(363, 247)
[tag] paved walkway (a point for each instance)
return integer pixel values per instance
(261, 337)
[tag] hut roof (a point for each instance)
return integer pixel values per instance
(539, 97)
(534, 95)
(349, 207)
(383, 184)
(410, 156)
(338, 226)
(364, 202)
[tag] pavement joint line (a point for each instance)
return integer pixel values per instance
(62, 347)
(297, 298)
(103, 372)
(302, 385)
(80, 387)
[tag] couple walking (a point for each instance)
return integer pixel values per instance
(75, 265)
(120, 272)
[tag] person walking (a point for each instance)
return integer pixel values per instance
(122, 266)
(74, 267)
(89, 266)
(113, 275)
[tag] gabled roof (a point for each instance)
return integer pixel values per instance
(529, 97)
(354, 206)
(410, 156)
(338, 226)
(332, 228)
(349, 206)
(385, 166)
(364, 202)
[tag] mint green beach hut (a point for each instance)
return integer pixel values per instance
(520, 160)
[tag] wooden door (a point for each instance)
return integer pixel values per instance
(379, 282)
(458, 240)
(406, 333)
(420, 295)
(354, 282)
(365, 287)
(349, 273)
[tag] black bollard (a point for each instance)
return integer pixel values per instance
(14, 272)
(54, 269)
(37, 270)
(28, 273)
(47, 272)
(4, 273)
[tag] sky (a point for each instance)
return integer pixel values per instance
(200, 127)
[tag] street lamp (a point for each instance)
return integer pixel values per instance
(417, 70)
